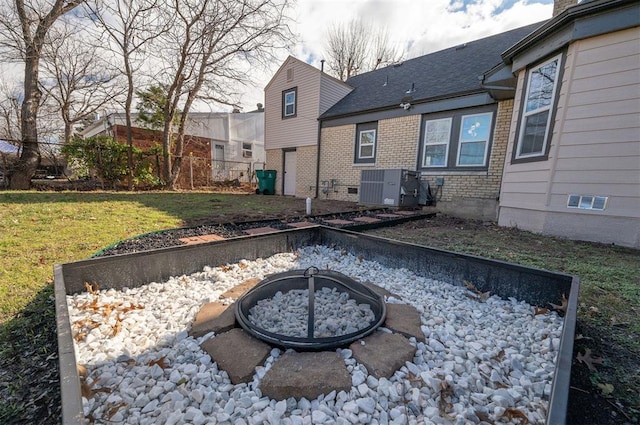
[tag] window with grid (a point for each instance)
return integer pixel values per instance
(474, 140)
(289, 102)
(537, 110)
(436, 142)
(365, 146)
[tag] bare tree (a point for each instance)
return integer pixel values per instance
(210, 47)
(77, 76)
(131, 26)
(10, 106)
(358, 47)
(24, 27)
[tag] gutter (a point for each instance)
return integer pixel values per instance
(559, 21)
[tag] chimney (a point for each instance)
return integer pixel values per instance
(560, 6)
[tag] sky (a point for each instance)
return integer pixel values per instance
(416, 27)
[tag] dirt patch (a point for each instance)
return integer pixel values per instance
(271, 208)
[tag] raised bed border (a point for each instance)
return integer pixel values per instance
(535, 286)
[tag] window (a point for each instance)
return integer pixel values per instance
(436, 142)
(587, 202)
(474, 140)
(289, 102)
(247, 150)
(365, 152)
(537, 109)
(457, 140)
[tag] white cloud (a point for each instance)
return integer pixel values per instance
(418, 27)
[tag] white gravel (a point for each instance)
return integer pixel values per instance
(335, 314)
(481, 359)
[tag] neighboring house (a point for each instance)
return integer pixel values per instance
(231, 143)
(430, 114)
(296, 96)
(573, 157)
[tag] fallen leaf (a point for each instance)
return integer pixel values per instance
(162, 362)
(499, 356)
(115, 409)
(538, 311)
(92, 289)
(444, 403)
(478, 295)
(589, 360)
(514, 414)
(360, 258)
(413, 378)
(606, 389)
(225, 268)
(562, 307)
(242, 266)
(593, 311)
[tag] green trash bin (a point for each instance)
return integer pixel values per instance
(266, 182)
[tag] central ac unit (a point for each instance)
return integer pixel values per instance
(390, 187)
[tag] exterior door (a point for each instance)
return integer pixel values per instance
(219, 169)
(290, 173)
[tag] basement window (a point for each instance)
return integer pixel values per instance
(587, 202)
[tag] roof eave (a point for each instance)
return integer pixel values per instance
(554, 24)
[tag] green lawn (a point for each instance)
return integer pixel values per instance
(40, 229)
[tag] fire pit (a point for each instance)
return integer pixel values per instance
(324, 291)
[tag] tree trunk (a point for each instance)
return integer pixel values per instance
(27, 164)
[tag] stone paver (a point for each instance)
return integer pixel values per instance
(404, 319)
(213, 317)
(383, 353)
(407, 213)
(367, 220)
(301, 224)
(235, 292)
(237, 353)
(211, 237)
(306, 375)
(339, 222)
(388, 215)
(260, 230)
(192, 240)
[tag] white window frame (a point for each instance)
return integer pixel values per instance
(525, 114)
(587, 202)
(373, 144)
(426, 143)
(247, 153)
(285, 103)
(486, 142)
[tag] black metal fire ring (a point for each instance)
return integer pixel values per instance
(312, 279)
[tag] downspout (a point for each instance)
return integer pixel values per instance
(318, 160)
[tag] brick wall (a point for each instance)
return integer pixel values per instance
(466, 194)
(274, 161)
(306, 165)
(476, 196)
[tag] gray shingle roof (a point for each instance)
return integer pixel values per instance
(447, 73)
